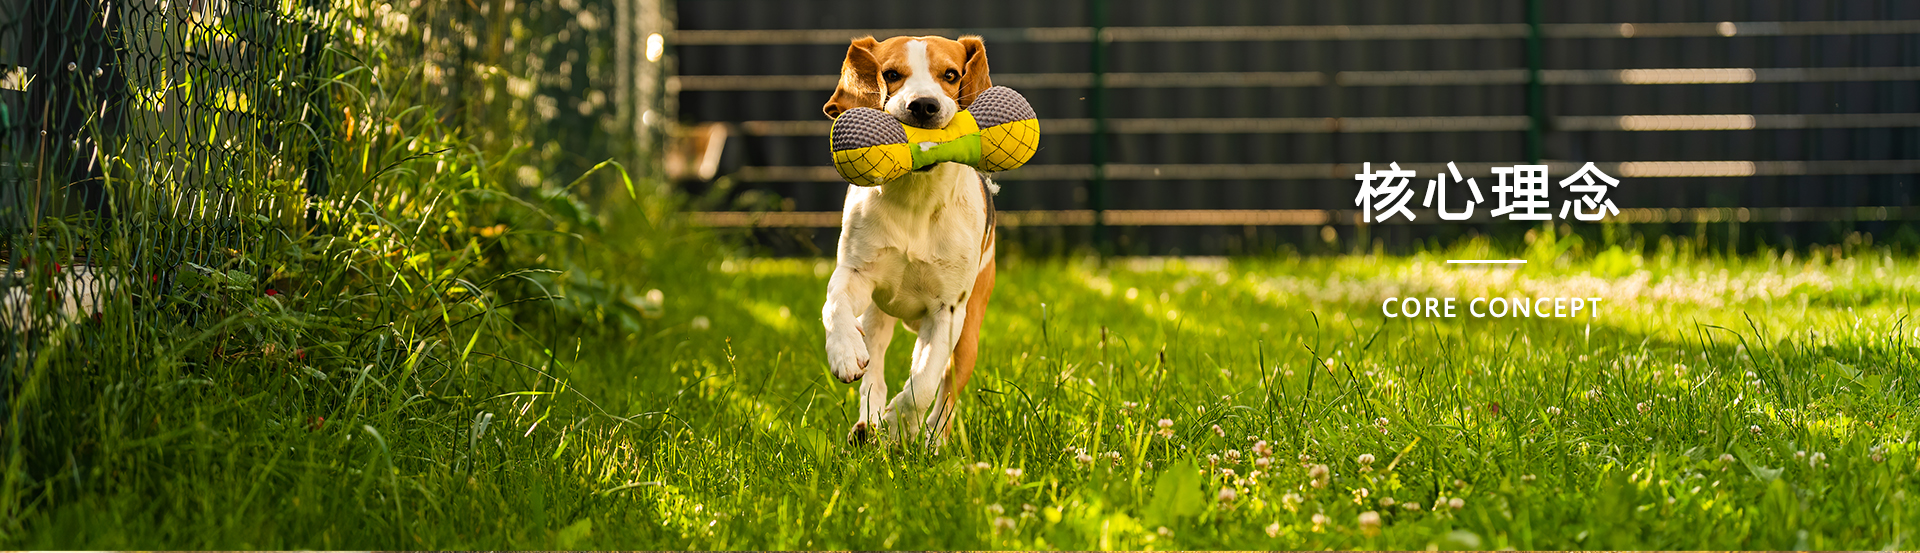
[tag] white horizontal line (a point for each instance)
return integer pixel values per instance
(1486, 261)
(703, 37)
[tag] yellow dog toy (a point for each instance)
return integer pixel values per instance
(998, 132)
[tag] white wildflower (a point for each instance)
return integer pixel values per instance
(1320, 475)
(1370, 522)
(1003, 523)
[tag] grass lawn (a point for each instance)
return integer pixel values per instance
(1753, 403)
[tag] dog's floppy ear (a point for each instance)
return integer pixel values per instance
(859, 80)
(975, 78)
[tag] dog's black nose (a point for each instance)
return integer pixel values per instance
(924, 108)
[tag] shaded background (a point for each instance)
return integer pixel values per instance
(1272, 105)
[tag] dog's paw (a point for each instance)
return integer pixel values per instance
(897, 425)
(847, 357)
(862, 434)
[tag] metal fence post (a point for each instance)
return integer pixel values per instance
(1536, 93)
(1097, 104)
(319, 99)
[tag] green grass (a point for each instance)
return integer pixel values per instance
(1677, 419)
(1535, 425)
(462, 353)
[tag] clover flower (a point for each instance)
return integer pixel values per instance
(1370, 522)
(1320, 475)
(1002, 523)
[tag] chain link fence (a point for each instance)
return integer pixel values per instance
(146, 139)
(151, 146)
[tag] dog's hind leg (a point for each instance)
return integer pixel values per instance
(906, 415)
(965, 352)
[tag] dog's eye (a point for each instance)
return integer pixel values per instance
(891, 75)
(953, 76)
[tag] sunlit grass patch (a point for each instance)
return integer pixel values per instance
(1265, 414)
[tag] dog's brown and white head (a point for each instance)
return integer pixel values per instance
(922, 81)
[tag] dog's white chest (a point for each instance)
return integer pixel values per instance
(919, 286)
(919, 239)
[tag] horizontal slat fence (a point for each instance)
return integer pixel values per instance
(1236, 125)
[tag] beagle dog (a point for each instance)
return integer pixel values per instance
(917, 249)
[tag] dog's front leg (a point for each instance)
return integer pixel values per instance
(908, 414)
(878, 327)
(849, 293)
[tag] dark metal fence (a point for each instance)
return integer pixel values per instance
(1236, 125)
